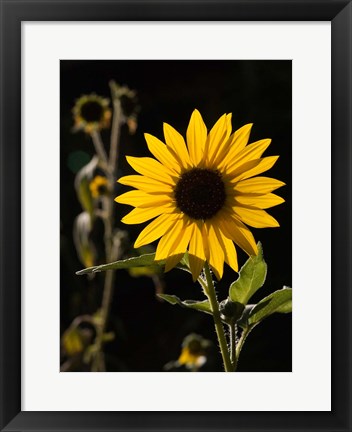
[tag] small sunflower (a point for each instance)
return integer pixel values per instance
(98, 186)
(91, 112)
(202, 195)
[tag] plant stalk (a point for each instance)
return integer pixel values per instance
(111, 248)
(233, 354)
(210, 292)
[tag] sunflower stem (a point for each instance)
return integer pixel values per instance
(99, 148)
(115, 133)
(242, 340)
(210, 292)
(233, 354)
(112, 249)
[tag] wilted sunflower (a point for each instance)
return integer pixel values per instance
(201, 194)
(91, 112)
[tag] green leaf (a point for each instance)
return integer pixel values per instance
(202, 306)
(251, 277)
(85, 197)
(140, 261)
(82, 180)
(279, 301)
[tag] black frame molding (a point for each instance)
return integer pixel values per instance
(12, 13)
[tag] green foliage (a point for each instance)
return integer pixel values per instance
(279, 301)
(82, 180)
(251, 277)
(140, 261)
(81, 235)
(202, 306)
(85, 196)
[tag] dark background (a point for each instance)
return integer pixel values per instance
(148, 332)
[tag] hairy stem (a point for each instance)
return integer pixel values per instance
(210, 292)
(233, 355)
(242, 340)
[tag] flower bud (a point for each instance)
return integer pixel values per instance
(231, 311)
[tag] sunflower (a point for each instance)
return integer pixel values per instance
(91, 112)
(99, 186)
(201, 195)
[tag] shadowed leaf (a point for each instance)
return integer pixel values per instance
(279, 301)
(140, 261)
(202, 306)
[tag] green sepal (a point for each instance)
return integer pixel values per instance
(279, 301)
(251, 277)
(140, 261)
(243, 321)
(202, 306)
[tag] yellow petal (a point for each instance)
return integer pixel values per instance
(216, 253)
(250, 152)
(217, 135)
(161, 152)
(235, 230)
(237, 142)
(258, 185)
(196, 137)
(229, 123)
(150, 168)
(196, 250)
(140, 215)
(174, 241)
(229, 249)
(251, 168)
(176, 145)
(139, 198)
(146, 184)
(157, 228)
(259, 201)
(256, 218)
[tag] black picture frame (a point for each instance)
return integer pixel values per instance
(13, 12)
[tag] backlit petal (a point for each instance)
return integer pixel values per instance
(258, 185)
(140, 215)
(146, 184)
(196, 137)
(216, 136)
(256, 218)
(229, 249)
(216, 253)
(161, 152)
(139, 198)
(175, 241)
(150, 168)
(196, 250)
(177, 146)
(259, 201)
(234, 229)
(251, 168)
(250, 152)
(157, 228)
(237, 142)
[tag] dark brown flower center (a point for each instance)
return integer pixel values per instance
(92, 111)
(200, 193)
